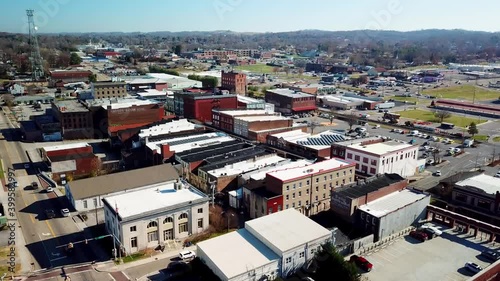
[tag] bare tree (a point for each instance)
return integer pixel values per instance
(351, 120)
(441, 115)
(217, 221)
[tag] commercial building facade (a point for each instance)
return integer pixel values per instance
(108, 90)
(308, 188)
(200, 106)
(234, 82)
(75, 119)
(151, 216)
(478, 194)
(288, 101)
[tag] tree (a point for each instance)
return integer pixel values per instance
(217, 221)
(158, 69)
(92, 78)
(351, 120)
(473, 129)
(75, 59)
(207, 81)
(178, 49)
(441, 115)
(331, 263)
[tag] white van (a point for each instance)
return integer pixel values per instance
(414, 133)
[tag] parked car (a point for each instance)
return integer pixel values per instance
(434, 229)
(437, 173)
(187, 255)
(497, 175)
(361, 263)
(49, 189)
(419, 235)
(473, 267)
(491, 255)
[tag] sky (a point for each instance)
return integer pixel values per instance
(54, 16)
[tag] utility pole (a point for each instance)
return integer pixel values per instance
(35, 57)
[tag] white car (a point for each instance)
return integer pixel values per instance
(437, 173)
(497, 175)
(49, 189)
(187, 255)
(424, 136)
(433, 229)
(65, 212)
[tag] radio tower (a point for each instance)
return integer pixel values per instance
(35, 58)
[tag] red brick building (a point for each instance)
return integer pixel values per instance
(234, 82)
(132, 116)
(258, 201)
(346, 200)
(288, 101)
(200, 106)
(224, 119)
(75, 119)
(61, 77)
(75, 160)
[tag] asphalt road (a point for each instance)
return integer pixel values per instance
(43, 237)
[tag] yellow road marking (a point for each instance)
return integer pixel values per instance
(26, 205)
(50, 228)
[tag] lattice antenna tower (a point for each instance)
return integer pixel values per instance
(35, 57)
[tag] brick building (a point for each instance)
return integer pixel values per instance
(200, 106)
(131, 115)
(245, 125)
(347, 199)
(74, 160)
(75, 119)
(60, 77)
(108, 90)
(234, 82)
(308, 188)
(288, 101)
(224, 119)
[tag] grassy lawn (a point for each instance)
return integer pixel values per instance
(481, 137)
(428, 116)
(258, 68)
(4, 268)
(463, 92)
(133, 257)
(496, 139)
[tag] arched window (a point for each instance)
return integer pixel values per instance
(168, 220)
(183, 216)
(152, 224)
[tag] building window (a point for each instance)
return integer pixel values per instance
(307, 182)
(152, 224)
(279, 208)
(293, 205)
(293, 195)
(300, 184)
(168, 220)
(288, 260)
(183, 227)
(85, 204)
(300, 193)
(317, 179)
(287, 197)
(461, 197)
(349, 155)
(133, 242)
(365, 160)
(372, 171)
(286, 207)
(95, 202)
(133, 228)
(168, 234)
(374, 162)
(293, 186)
(152, 236)
(356, 157)
(183, 216)
(301, 254)
(483, 204)
(200, 223)
(287, 188)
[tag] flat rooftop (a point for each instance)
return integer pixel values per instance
(319, 141)
(249, 100)
(369, 185)
(323, 166)
(66, 146)
(215, 150)
(261, 173)
(286, 230)
(235, 156)
(244, 112)
(70, 106)
(290, 93)
(155, 198)
(245, 166)
(392, 202)
(166, 128)
(261, 118)
(381, 148)
(488, 184)
(250, 253)
(189, 142)
(154, 93)
(109, 84)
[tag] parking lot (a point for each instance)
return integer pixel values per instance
(441, 258)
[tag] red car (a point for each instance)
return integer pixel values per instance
(419, 235)
(361, 263)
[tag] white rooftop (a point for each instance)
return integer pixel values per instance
(244, 112)
(296, 173)
(261, 173)
(290, 93)
(392, 202)
(156, 197)
(144, 81)
(292, 135)
(66, 146)
(381, 148)
(285, 230)
(171, 127)
(319, 141)
(190, 142)
(250, 253)
(261, 118)
(249, 100)
(488, 184)
(176, 82)
(154, 93)
(245, 166)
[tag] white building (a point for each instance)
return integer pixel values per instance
(271, 246)
(181, 144)
(379, 157)
(163, 130)
(243, 124)
(153, 215)
(87, 194)
(176, 82)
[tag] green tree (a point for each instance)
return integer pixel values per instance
(178, 49)
(75, 59)
(473, 129)
(158, 69)
(331, 263)
(92, 78)
(441, 115)
(207, 81)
